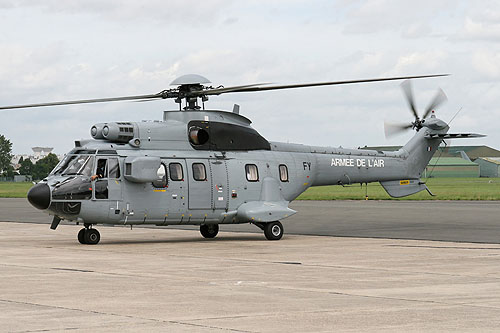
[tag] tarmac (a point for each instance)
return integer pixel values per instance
(382, 266)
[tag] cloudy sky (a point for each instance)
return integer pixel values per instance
(75, 49)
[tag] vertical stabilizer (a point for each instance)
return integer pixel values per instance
(420, 150)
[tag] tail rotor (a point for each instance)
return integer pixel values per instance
(391, 129)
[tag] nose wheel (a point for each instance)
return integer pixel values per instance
(89, 236)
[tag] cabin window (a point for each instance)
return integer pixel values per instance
(252, 172)
(114, 168)
(176, 171)
(161, 177)
(283, 173)
(199, 172)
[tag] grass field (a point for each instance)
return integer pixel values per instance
(14, 190)
(443, 188)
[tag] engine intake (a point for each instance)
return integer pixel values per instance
(115, 131)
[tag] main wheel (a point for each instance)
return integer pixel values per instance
(92, 236)
(273, 230)
(209, 230)
(81, 236)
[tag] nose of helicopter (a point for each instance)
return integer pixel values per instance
(39, 196)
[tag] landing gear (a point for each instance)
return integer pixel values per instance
(81, 236)
(89, 236)
(209, 230)
(272, 230)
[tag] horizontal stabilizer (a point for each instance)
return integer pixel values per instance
(454, 136)
(403, 188)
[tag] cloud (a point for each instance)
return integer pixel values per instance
(487, 63)
(165, 12)
(428, 61)
(480, 30)
(410, 18)
(75, 50)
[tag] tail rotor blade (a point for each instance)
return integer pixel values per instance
(391, 130)
(408, 91)
(439, 99)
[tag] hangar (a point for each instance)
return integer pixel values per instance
(451, 167)
(489, 166)
(456, 161)
(473, 152)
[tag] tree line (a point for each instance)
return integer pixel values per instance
(37, 171)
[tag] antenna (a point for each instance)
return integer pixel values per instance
(455, 115)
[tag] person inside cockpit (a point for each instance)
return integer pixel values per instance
(101, 170)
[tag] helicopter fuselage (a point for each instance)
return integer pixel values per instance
(211, 167)
(173, 172)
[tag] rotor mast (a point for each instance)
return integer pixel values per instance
(190, 87)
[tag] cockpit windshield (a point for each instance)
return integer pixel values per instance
(73, 165)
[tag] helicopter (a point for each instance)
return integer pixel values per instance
(208, 167)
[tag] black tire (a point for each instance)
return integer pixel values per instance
(209, 230)
(81, 236)
(273, 230)
(92, 236)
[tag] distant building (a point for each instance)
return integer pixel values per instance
(452, 151)
(490, 166)
(473, 152)
(41, 152)
(459, 161)
(451, 167)
(38, 154)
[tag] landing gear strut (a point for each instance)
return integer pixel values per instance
(209, 230)
(88, 235)
(272, 230)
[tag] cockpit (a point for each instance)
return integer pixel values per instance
(84, 174)
(75, 165)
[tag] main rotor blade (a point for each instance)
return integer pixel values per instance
(316, 84)
(394, 129)
(83, 101)
(217, 91)
(439, 99)
(408, 91)
(223, 90)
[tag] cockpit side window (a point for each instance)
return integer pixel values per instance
(87, 169)
(78, 165)
(63, 164)
(114, 168)
(102, 168)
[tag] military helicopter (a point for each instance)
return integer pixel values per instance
(209, 167)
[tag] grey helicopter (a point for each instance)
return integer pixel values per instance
(209, 167)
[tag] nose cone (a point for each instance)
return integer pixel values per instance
(39, 196)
